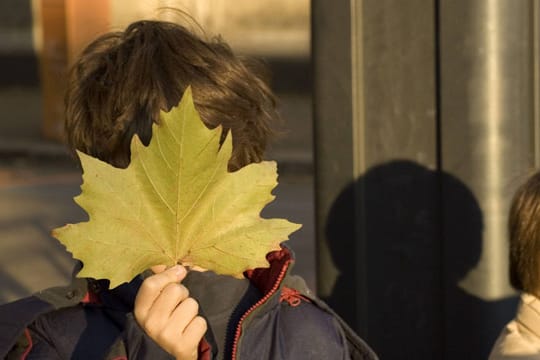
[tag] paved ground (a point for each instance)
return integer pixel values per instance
(34, 198)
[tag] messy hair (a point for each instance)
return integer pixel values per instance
(524, 233)
(122, 80)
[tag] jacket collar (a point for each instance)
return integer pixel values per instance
(528, 313)
(270, 278)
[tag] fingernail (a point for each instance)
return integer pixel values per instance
(179, 270)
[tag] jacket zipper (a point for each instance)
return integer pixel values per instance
(259, 303)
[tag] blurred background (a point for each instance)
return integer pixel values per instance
(408, 125)
(39, 40)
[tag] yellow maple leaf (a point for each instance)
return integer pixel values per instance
(175, 203)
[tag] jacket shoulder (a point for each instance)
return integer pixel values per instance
(357, 347)
(16, 316)
(300, 326)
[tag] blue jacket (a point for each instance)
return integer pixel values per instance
(87, 321)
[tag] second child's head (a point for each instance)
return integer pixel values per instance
(524, 232)
(122, 80)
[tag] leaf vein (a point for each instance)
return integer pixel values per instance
(179, 180)
(210, 179)
(151, 181)
(163, 157)
(233, 254)
(127, 246)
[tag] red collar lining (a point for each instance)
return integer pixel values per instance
(265, 278)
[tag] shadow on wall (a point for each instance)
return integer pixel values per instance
(422, 233)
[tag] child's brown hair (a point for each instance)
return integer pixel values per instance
(524, 231)
(123, 79)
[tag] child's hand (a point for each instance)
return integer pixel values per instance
(168, 315)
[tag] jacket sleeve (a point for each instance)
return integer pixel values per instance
(141, 346)
(31, 346)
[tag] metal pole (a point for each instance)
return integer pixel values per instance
(488, 142)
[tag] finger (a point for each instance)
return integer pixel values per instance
(187, 342)
(164, 305)
(195, 330)
(170, 297)
(183, 314)
(152, 287)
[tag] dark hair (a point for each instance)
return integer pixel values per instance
(524, 233)
(122, 80)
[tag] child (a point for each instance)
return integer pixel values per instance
(117, 88)
(520, 339)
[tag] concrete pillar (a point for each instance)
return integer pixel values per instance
(376, 182)
(489, 132)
